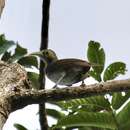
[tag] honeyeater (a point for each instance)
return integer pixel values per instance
(63, 71)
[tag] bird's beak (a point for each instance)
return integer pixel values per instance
(39, 54)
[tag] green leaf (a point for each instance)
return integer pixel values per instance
(5, 44)
(92, 128)
(18, 54)
(123, 118)
(114, 70)
(34, 78)
(55, 113)
(95, 75)
(100, 120)
(85, 128)
(28, 61)
(118, 99)
(6, 56)
(90, 104)
(96, 55)
(20, 127)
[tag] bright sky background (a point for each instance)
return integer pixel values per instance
(73, 23)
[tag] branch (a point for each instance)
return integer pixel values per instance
(45, 24)
(44, 45)
(34, 96)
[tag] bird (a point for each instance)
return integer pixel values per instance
(63, 71)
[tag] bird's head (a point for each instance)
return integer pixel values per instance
(46, 55)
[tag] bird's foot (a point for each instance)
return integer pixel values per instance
(69, 85)
(82, 84)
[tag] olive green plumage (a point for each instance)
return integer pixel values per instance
(63, 71)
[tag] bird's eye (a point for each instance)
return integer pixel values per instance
(47, 53)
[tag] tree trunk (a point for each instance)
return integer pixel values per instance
(13, 79)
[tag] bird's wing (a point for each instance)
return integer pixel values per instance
(73, 62)
(68, 66)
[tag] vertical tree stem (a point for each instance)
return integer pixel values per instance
(44, 45)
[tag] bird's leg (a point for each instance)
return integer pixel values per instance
(62, 76)
(82, 84)
(55, 86)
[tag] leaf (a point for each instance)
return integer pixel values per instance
(55, 113)
(34, 78)
(100, 120)
(96, 55)
(6, 56)
(28, 61)
(114, 70)
(20, 127)
(85, 128)
(91, 103)
(95, 75)
(118, 99)
(91, 128)
(123, 118)
(18, 54)
(5, 44)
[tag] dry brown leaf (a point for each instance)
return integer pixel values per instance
(2, 4)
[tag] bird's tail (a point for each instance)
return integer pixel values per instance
(96, 65)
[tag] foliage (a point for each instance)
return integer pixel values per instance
(113, 70)
(20, 127)
(96, 55)
(93, 113)
(96, 119)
